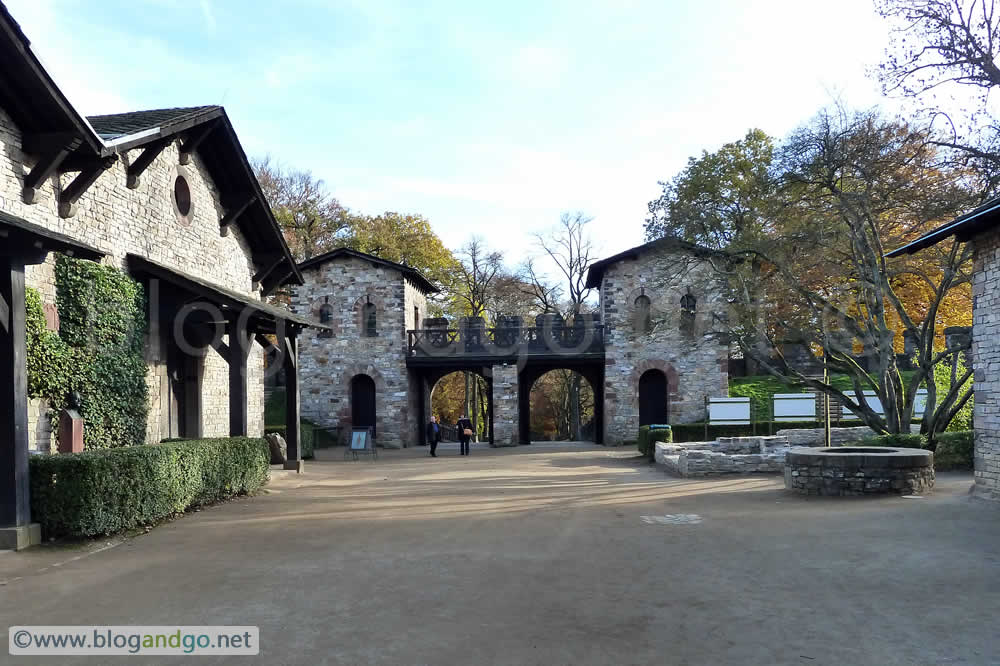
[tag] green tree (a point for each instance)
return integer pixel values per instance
(718, 197)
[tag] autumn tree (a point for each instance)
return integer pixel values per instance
(311, 219)
(405, 239)
(852, 186)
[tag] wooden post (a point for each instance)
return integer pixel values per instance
(15, 510)
(292, 435)
(238, 353)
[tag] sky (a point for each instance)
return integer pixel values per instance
(486, 118)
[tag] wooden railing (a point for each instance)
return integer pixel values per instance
(472, 341)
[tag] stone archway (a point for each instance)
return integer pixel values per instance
(363, 403)
(654, 399)
(347, 411)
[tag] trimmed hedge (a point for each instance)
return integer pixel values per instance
(954, 450)
(695, 432)
(647, 439)
(110, 490)
(900, 440)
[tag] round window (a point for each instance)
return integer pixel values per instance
(182, 196)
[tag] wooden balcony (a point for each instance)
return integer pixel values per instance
(504, 344)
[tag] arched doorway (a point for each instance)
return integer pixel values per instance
(653, 406)
(462, 392)
(363, 402)
(562, 407)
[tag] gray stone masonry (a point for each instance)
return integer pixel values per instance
(986, 361)
(505, 405)
(726, 455)
(902, 471)
(814, 436)
(119, 221)
(328, 362)
(695, 364)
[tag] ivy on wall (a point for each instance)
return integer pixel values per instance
(98, 351)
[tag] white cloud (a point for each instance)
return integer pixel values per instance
(206, 12)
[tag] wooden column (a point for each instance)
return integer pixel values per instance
(292, 434)
(15, 510)
(238, 353)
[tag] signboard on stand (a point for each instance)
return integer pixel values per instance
(362, 442)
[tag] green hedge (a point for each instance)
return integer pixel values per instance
(307, 438)
(954, 450)
(900, 440)
(647, 439)
(106, 491)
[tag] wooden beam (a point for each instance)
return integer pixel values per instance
(49, 161)
(292, 436)
(15, 510)
(264, 272)
(273, 280)
(193, 140)
(232, 214)
(80, 184)
(142, 162)
(240, 344)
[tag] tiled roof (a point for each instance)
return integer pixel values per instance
(123, 124)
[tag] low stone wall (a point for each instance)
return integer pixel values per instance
(838, 436)
(864, 472)
(814, 436)
(726, 455)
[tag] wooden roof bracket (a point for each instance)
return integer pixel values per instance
(142, 162)
(87, 177)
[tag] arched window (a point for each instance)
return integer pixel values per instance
(643, 314)
(326, 318)
(689, 307)
(369, 321)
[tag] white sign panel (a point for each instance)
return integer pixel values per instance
(729, 411)
(790, 407)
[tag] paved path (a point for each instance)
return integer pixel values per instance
(544, 555)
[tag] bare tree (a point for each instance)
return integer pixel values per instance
(478, 270)
(569, 247)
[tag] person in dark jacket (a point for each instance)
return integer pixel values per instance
(463, 425)
(433, 435)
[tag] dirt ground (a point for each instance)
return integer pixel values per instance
(544, 554)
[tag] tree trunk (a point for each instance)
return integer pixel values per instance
(574, 407)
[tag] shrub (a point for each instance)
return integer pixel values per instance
(900, 440)
(109, 490)
(647, 439)
(954, 450)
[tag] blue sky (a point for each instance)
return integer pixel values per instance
(487, 118)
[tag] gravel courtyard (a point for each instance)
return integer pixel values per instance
(549, 554)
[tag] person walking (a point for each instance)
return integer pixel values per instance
(464, 426)
(433, 435)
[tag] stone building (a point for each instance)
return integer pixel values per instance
(656, 304)
(166, 196)
(982, 228)
(647, 354)
(355, 373)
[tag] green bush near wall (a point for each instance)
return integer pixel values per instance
(97, 352)
(954, 450)
(900, 440)
(107, 491)
(647, 438)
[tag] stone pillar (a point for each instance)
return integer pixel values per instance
(505, 414)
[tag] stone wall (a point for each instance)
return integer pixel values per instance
(142, 221)
(726, 455)
(327, 363)
(695, 364)
(899, 471)
(838, 436)
(505, 389)
(986, 361)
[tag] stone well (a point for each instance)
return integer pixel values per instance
(849, 470)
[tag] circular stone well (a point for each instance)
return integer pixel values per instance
(852, 470)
